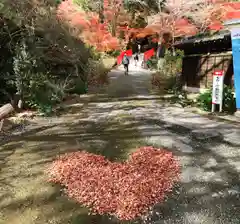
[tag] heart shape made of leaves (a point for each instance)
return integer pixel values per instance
(126, 190)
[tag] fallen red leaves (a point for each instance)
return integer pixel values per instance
(126, 190)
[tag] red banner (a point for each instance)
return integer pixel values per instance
(148, 54)
(120, 57)
(129, 52)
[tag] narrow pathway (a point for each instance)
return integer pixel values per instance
(209, 152)
(113, 122)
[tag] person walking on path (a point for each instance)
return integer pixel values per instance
(125, 63)
(139, 49)
(160, 55)
(136, 59)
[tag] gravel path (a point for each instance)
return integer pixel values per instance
(209, 152)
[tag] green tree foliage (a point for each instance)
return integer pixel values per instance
(229, 105)
(148, 6)
(41, 59)
(88, 5)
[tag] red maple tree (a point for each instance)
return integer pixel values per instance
(103, 35)
(221, 12)
(204, 14)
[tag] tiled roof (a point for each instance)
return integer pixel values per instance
(220, 35)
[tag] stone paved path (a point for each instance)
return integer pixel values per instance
(209, 152)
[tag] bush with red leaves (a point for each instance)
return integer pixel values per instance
(125, 190)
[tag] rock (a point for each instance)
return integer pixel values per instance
(198, 189)
(178, 105)
(215, 195)
(218, 194)
(235, 190)
(210, 163)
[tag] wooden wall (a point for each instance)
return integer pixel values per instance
(197, 70)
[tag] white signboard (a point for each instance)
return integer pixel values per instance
(235, 33)
(217, 91)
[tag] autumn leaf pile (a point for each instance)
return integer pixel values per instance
(125, 190)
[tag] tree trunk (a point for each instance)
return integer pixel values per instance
(100, 12)
(6, 110)
(17, 102)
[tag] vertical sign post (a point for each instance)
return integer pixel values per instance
(217, 91)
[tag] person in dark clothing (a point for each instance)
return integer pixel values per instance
(125, 63)
(136, 59)
(161, 51)
(139, 48)
(160, 55)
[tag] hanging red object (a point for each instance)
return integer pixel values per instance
(129, 52)
(233, 15)
(148, 54)
(120, 57)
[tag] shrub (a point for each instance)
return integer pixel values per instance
(166, 83)
(229, 101)
(229, 105)
(44, 59)
(114, 53)
(205, 100)
(125, 190)
(168, 78)
(173, 62)
(78, 87)
(152, 63)
(97, 74)
(156, 80)
(42, 93)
